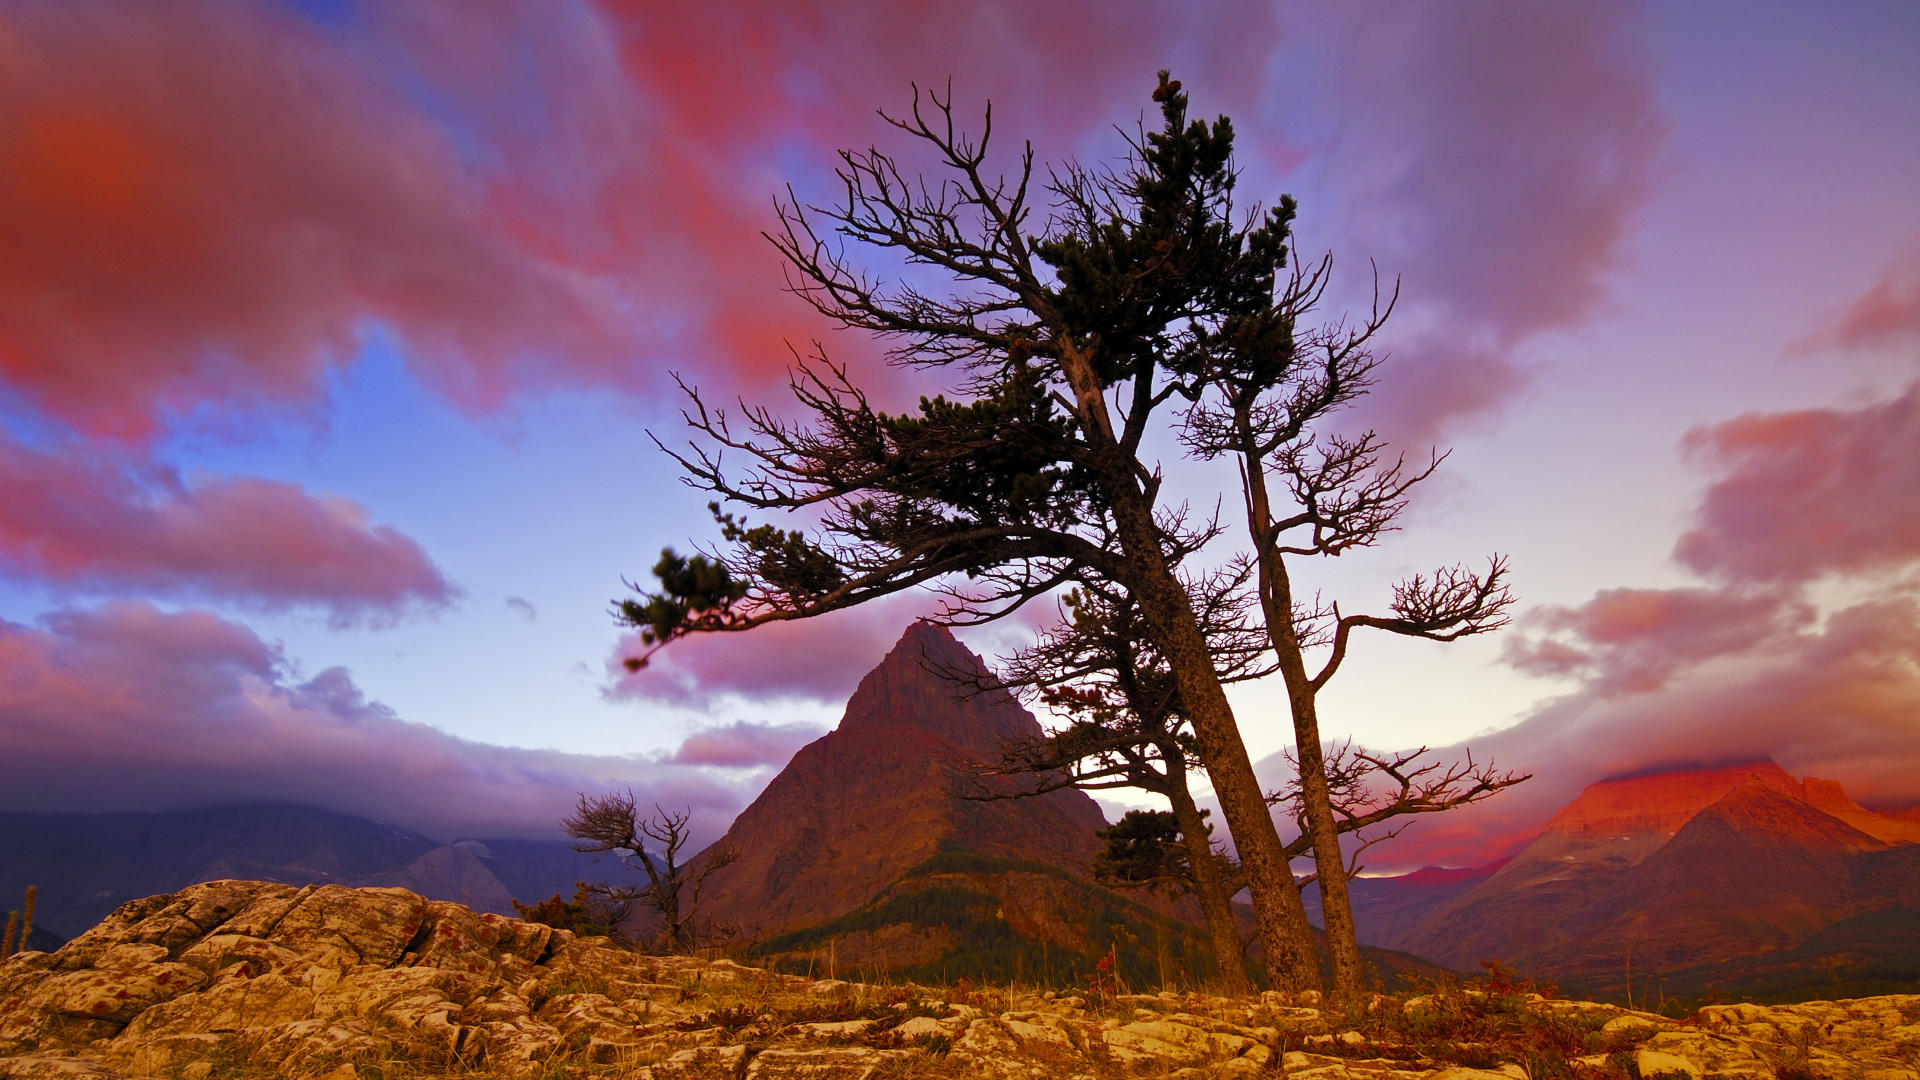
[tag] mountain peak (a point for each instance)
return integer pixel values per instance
(856, 809)
(1659, 803)
(931, 682)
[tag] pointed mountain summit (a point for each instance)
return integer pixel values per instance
(858, 808)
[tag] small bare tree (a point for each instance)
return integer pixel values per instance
(612, 823)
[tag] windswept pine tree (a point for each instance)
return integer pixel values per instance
(1142, 302)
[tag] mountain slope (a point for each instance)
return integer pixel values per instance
(859, 807)
(1705, 871)
(85, 865)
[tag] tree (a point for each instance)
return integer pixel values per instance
(1311, 493)
(596, 909)
(1070, 339)
(612, 823)
(1126, 729)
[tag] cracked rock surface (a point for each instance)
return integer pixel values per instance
(250, 979)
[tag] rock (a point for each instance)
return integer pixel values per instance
(319, 982)
(1654, 1063)
(37, 1067)
(835, 1063)
(1709, 1053)
(700, 1063)
(1630, 1024)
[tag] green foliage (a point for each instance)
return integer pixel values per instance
(995, 460)
(590, 913)
(1144, 848)
(1149, 947)
(1127, 273)
(690, 586)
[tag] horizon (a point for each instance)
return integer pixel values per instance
(331, 336)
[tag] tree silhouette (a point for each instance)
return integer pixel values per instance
(1064, 334)
(1314, 493)
(612, 823)
(1140, 302)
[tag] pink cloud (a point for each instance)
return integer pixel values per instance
(819, 659)
(744, 745)
(1837, 701)
(93, 522)
(203, 206)
(1497, 156)
(1802, 494)
(1634, 640)
(1431, 384)
(128, 707)
(206, 209)
(1887, 314)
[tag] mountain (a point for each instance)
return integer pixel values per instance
(858, 856)
(859, 807)
(1696, 875)
(85, 865)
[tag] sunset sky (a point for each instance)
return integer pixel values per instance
(331, 333)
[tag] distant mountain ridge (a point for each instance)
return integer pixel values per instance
(1693, 875)
(85, 865)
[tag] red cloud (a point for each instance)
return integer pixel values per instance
(204, 206)
(1802, 494)
(128, 707)
(208, 207)
(743, 745)
(92, 523)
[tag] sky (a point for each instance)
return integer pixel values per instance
(332, 335)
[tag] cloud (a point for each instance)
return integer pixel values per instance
(129, 707)
(94, 522)
(204, 206)
(1634, 640)
(1887, 314)
(1434, 382)
(1840, 700)
(743, 745)
(819, 659)
(1494, 158)
(207, 209)
(1803, 494)
(1743, 668)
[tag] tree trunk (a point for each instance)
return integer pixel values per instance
(1208, 887)
(1336, 907)
(1285, 937)
(1276, 599)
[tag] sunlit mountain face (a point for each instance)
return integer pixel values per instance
(1737, 879)
(335, 339)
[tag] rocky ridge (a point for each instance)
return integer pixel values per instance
(247, 979)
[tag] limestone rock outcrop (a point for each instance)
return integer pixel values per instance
(254, 979)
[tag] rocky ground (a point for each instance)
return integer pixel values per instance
(248, 979)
